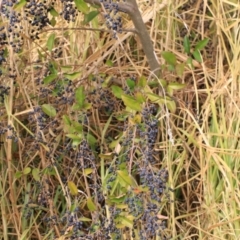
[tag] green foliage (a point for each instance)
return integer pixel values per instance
(50, 41)
(82, 6)
(170, 58)
(50, 78)
(200, 45)
(18, 6)
(131, 102)
(73, 188)
(88, 17)
(80, 97)
(49, 110)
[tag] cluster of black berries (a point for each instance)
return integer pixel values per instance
(102, 98)
(38, 116)
(113, 19)
(155, 181)
(110, 228)
(37, 15)
(85, 157)
(13, 135)
(135, 205)
(11, 34)
(2, 57)
(3, 92)
(65, 92)
(149, 134)
(77, 226)
(69, 11)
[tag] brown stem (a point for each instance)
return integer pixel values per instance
(131, 8)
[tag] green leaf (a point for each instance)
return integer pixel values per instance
(66, 120)
(40, 55)
(140, 97)
(19, 5)
(35, 173)
(91, 206)
(197, 56)
(180, 69)
(170, 91)
(190, 62)
(162, 83)
(201, 44)
(125, 177)
(49, 78)
(170, 58)
(91, 140)
(50, 41)
(160, 100)
(80, 96)
(53, 12)
(117, 91)
(142, 82)
(72, 76)
(171, 68)
(108, 156)
(53, 22)
(84, 219)
(49, 110)
(176, 85)
(74, 136)
(109, 63)
(73, 188)
(87, 105)
(126, 221)
(18, 174)
(75, 143)
(53, 67)
(27, 170)
(119, 199)
(66, 68)
(154, 97)
(130, 83)
(153, 83)
(186, 45)
(88, 171)
(90, 16)
(82, 6)
(106, 81)
(171, 105)
(76, 107)
(77, 126)
(131, 103)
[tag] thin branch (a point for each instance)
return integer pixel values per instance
(87, 29)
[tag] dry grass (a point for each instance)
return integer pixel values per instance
(203, 163)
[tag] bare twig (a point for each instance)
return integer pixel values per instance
(86, 29)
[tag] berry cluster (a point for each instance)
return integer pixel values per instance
(84, 157)
(149, 134)
(37, 15)
(3, 92)
(69, 11)
(13, 136)
(10, 35)
(101, 97)
(112, 17)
